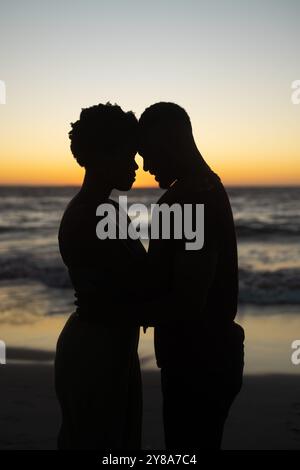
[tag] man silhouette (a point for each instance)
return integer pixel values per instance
(200, 352)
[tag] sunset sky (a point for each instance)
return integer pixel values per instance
(229, 63)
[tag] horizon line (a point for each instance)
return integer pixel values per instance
(232, 185)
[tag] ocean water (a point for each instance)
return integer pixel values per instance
(34, 283)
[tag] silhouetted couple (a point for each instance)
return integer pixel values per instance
(189, 296)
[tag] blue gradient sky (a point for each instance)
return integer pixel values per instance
(229, 63)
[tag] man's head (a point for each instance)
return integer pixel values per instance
(104, 141)
(165, 141)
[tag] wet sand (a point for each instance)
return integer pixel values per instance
(266, 415)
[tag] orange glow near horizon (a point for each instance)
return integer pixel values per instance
(250, 151)
(233, 171)
(44, 158)
(69, 173)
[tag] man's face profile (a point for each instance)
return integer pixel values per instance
(157, 155)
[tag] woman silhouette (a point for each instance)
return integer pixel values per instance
(97, 373)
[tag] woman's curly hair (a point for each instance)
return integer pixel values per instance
(102, 130)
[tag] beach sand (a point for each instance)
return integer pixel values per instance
(266, 415)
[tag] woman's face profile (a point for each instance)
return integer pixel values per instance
(126, 172)
(121, 168)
